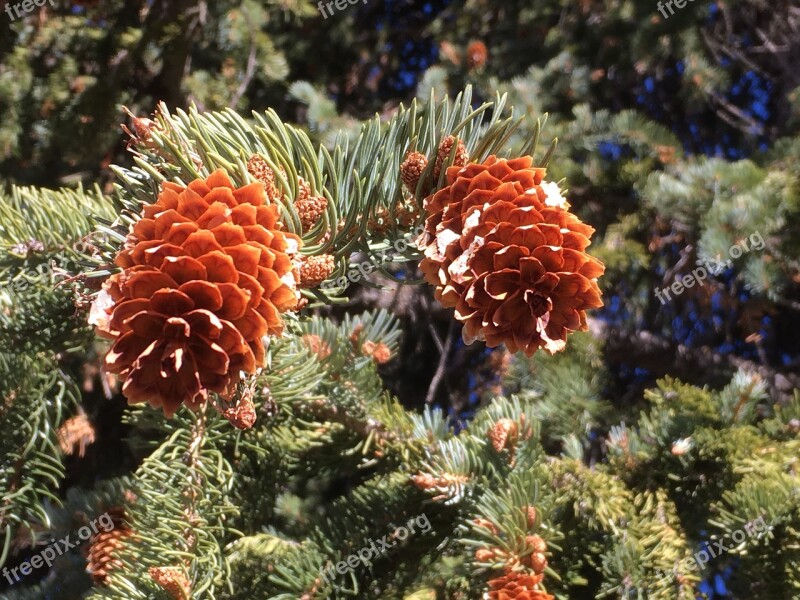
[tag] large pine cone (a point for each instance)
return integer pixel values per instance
(206, 274)
(503, 249)
(517, 586)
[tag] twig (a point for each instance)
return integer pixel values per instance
(444, 350)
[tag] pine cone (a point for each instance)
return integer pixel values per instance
(172, 580)
(316, 269)
(486, 524)
(379, 352)
(206, 274)
(537, 543)
(531, 514)
(484, 555)
(310, 209)
(411, 170)
(536, 561)
(477, 54)
(75, 434)
(257, 167)
(103, 546)
(503, 434)
(445, 148)
(502, 247)
(517, 586)
(355, 336)
(317, 345)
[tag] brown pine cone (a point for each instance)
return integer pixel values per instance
(461, 159)
(310, 210)
(316, 269)
(379, 352)
(103, 546)
(317, 345)
(411, 170)
(536, 561)
(502, 247)
(257, 167)
(517, 586)
(206, 273)
(503, 434)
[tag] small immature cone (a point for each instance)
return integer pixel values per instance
(257, 167)
(317, 345)
(75, 434)
(316, 269)
(531, 513)
(477, 53)
(445, 148)
(484, 555)
(486, 524)
(303, 189)
(355, 335)
(379, 352)
(310, 210)
(172, 580)
(429, 482)
(503, 434)
(411, 170)
(537, 543)
(536, 560)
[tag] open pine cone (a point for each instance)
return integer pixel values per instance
(206, 273)
(517, 586)
(503, 249)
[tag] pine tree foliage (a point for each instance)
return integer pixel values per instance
(179, 511)
(76, 64)
(42, 237)
(37, 398)
(621, 491)
(719, 205)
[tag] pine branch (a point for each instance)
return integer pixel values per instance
(37, 398)
(179, 517)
